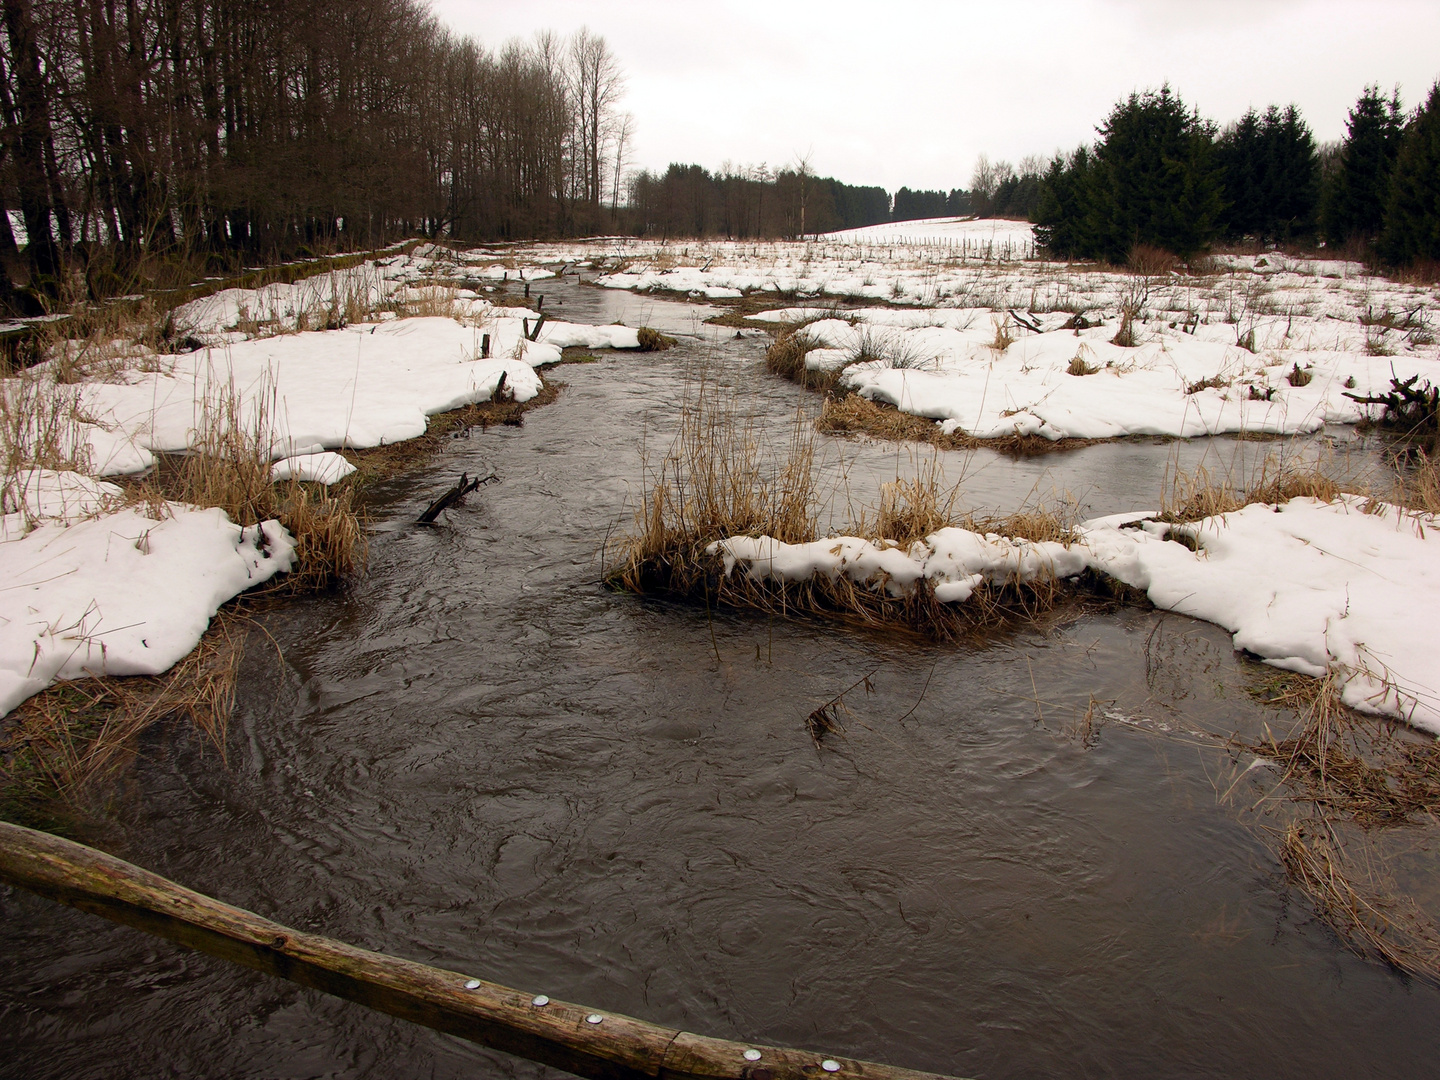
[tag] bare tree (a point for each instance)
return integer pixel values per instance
(620, 138)
(802, 176)
(597, 83)
(216, 131)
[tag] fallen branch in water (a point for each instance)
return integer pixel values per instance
(462, 488)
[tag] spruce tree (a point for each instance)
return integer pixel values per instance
(1270, 172)
(1355, 207)
(1063, 212)
(1412, 217)
(1155, 178)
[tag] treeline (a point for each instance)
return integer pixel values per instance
(748, 203)
(228, 130)
(1161, 175)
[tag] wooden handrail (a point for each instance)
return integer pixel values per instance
(587, 1042)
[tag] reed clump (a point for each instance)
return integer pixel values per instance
(652, 340)
(1358, 778)
(228, 464)
(714, 483)
(1190, 497)
(786, 357)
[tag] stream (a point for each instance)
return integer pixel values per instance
(477, 756)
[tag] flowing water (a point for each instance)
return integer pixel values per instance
(477, 756)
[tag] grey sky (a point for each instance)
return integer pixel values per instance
(910, 93)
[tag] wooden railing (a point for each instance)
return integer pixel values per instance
(587, 1042)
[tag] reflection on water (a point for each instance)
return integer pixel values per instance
(478, 757)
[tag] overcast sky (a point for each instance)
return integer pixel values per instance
(910, 93)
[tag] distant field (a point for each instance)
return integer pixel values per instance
(942, 230)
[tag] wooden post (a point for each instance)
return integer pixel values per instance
(484, 346)
(587, 1042)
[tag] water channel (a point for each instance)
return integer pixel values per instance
(477, 756)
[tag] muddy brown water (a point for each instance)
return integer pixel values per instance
(478, 757)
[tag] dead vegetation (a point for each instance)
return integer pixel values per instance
(1357, 783)
(653, 340)
(67, 739)
(1411, 407)
(786, 358)
(1190, 497)
(714, 483)
(856, 415)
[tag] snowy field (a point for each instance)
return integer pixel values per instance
(986, 345)
(986, 236)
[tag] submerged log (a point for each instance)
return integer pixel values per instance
(579, 1040)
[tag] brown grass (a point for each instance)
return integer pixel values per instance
(71, 736)
(1357, 778)
(1189, 497)
(228, 465)
(855, 415)
(1359, 898)
(912, 509)
(1417, 483)
(786, 358)
(714, 484)
(653, 340)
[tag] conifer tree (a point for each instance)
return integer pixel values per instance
(1063, 211)
(1270, 172)
(1355, 205)
(1412, 217)
(1155, 179)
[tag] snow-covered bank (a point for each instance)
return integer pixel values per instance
(1265, 343)
(984, 375)
(1350, 587)
(361, 386)
(120, 593)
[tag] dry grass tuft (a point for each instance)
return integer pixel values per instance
(653, 340)
(713, 484)
(856, 415)
(911, 510)
(1214, 382)
(228, 465)
(1189, 497)
(786, 358)
(1003, 337)
(1360, 900)
(1078, 366)
(41, 426)
(68, 738)
(1417, 484)
(1359, 777)
(1125, 335)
